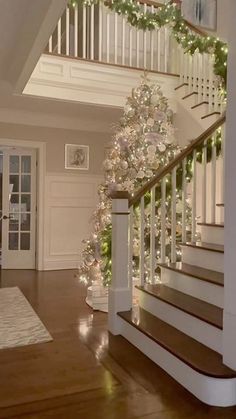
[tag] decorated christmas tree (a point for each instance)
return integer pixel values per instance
(143, 143)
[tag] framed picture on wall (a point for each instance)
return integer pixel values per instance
(200, 12)
(76, 157)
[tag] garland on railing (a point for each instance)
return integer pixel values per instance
(170, 14)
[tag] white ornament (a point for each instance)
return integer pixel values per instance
(161, 147)
(151, 149)
(140, 174)
(124, 165)
(150, 122)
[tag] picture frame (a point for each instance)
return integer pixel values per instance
(201, 13)
(76, 157)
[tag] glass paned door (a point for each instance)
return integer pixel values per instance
(19, 209)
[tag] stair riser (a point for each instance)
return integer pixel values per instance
(181, 92)
(220, 214)
(212, 391)
(210, 293)
(200, 111)
(190, 101)
(203, 258)
(191, 326)
(213, 235)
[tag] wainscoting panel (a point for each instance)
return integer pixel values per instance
(70, 201)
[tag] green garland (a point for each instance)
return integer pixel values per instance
(169, 14)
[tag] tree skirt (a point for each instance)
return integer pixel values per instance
(19, 324)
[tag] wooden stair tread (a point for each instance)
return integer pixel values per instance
(212, 224)
(205, 246)
(220, 205)
(207, 275)
(193, 306)
(191, 352)
(200, 104)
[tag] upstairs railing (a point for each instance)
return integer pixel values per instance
(96, 33)
(165, 212)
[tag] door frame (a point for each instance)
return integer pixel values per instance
(40, 148)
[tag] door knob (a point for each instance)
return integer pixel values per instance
(5, 217)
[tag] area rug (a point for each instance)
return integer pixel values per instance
(19, 324)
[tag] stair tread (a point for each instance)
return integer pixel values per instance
(212, 224)
(207, 275)
(205, 246)
(191, 352)
(206, 312)
(220, 205)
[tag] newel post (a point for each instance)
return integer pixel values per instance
(120, 293)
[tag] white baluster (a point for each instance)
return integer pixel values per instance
(195, 73)
(190, 77)
(67, 31)
(204, 181)
(184, 197)
(137, 48)
(115, 37)
(152, 236)
(123, 41)
(108, 37)
(59, 37)
(100, 29)
(145, 42)
(76, 31)
(159, 50)
(213, 180)
(50, 44)
(211, 85)
(92, 32)
(173, 216)
(84, 31)
(223, 164)
(205, 76)
(194, 195)
(166, 49)
(163, 220)
(142, 247)
(152, 45)
(130, 46)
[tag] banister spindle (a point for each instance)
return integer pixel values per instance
(159, 50)
(152, 236)
(142, 247)
(123, 41)
(50, 44)
(213, 180)
(204, 181)
(115, 37)
(92, 32)
(163, 220)
(84, 31)
(108, 37)
(59, 36)
(194, 195)
(130, 46)
(67, 31)
(100, 29)
(152, 44)
(184, 197)
(173, 215)
(166, 49)
(145, 41)
(76, 30)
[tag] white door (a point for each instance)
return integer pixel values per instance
(18, 209)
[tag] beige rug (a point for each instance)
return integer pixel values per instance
(19, 324)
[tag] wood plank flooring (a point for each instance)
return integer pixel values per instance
(85, 372)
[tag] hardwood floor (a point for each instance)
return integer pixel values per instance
(85, 372)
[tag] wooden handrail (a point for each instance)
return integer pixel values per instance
(177, 160)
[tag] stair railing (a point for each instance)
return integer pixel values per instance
(96, 33)
(148, 227)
